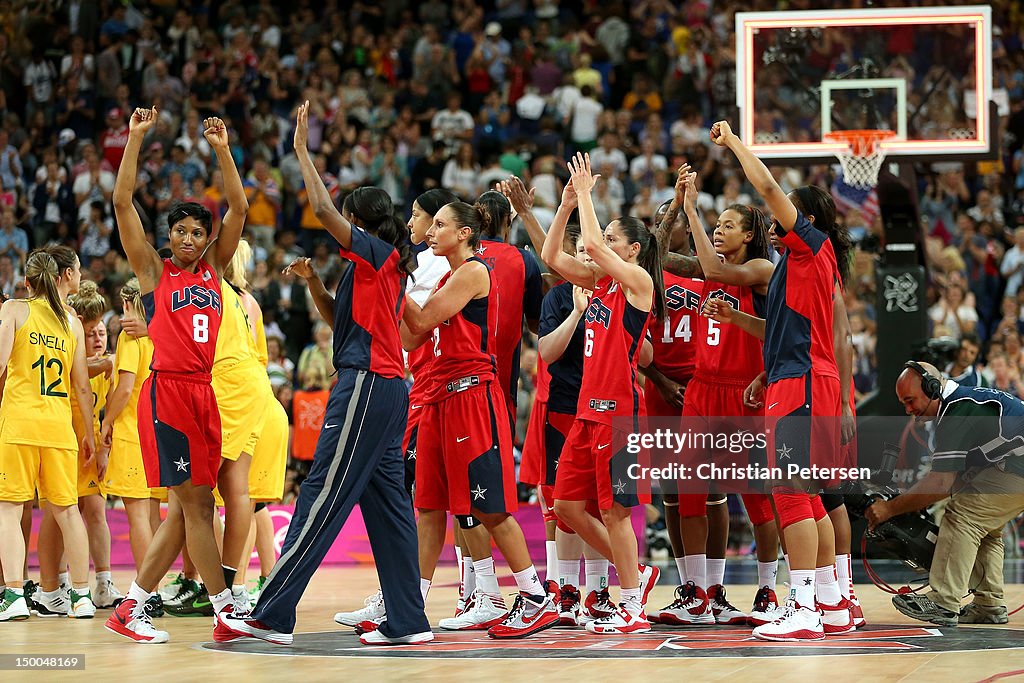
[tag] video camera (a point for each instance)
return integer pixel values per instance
(939, 352)
(909, 538)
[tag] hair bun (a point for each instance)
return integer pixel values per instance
(88, 288)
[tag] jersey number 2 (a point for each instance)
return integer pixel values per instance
(51, 388)
(200, 328)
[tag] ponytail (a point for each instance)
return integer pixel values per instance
(812, 200)
(497, 212)
(42, 272)
(649, 258)
(374, 212)
(234, 273)
(88, 303)
(131, 296)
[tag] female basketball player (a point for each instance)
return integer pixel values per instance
(627, 285)
(43, 349)
(358, 456)
(179, 424)
(802, 381)
(464, 455)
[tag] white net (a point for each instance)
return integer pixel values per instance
(862, 171)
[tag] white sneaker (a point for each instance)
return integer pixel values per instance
(51, 604)
(690, 608)
(836, 619)
(134, 624)
(598, 605)
(82, 606)
(766, 607)
(725, 613)
(240, 598)
(188, 590)
(649, 575)
(373, 611)
(484, 612)
(106, 594)
(173, 588)
(13, 607)
(378, 638)
(797, 623)
(622, 621)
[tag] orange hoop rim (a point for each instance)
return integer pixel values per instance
(862, 143)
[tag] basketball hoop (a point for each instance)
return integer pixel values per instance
(863, 157)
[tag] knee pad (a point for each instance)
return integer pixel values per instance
(467, 521)
(792, 506)
(259, 506)
(831, 501)
(759, 508)
(693, 505)
(818, 508)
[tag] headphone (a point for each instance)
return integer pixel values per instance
(930, 384)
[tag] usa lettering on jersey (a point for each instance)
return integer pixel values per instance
(489, 260)
(599, 314)
(678, 298)
(722, 294)
(195, 295)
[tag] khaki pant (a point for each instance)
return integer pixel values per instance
(969, 551)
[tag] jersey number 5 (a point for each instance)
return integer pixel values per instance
(713, 333)
(200, 328)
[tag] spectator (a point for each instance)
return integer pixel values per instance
(1004, 375)
(644, 167)
(94, 184)
(583, 131)
(951, 312)
(13, 240)
(609, 156)
(731, 194)
(40, 77)
(1012, 267)
(78, 65)
(986, 210)
(452, 125)
(279, 367)
(53, 202)
(114, 139)
(315, 364)
(264, 205)
(95, 233)
(965, 370)
(462, 174)
(9, 275)
(11, 169)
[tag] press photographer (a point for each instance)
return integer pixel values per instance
(978, 462)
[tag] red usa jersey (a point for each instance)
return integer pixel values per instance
(725, 352)
(184, 314)
(419, 368)
(674, 338)
(615, 331)
(517, 276)
(463, 346)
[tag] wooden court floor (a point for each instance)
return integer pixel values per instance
(897, 654)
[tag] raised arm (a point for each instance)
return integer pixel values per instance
(319, 198)
(663, 230)
(552, 254)
(634, 278)
(216, 134)
(522, 203)
(757, 175)
(754, 273)
(142, 257)
(321, 297)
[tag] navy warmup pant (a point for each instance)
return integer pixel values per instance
(358, 459)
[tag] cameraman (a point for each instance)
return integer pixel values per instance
(985, 470)
(964, 370)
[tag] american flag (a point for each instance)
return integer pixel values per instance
(849, 197)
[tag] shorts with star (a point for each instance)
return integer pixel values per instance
(594, 465)
(179, 429)
(802, 419)
(464, 460)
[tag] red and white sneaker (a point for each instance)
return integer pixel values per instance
(373, 611)
(856, 612)
(690, 608)
(242, 626)
(483, 612)
(796, 623)
(134, 626)
(598, 605)
(648, 580)
(836, 619)
(527, 617)
(223, 629)
(766, 607)
(378, 638)
(622, 621)
(569, 606)
(725, 613)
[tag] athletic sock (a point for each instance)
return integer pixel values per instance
(237, 589)
(221, 600)
(469, 576)
(424, 588)
(681, 568)
(486, 580)
(529, 583)
(696, 570)
(802, 587)
(597, 574)
(716, 571)
(767, 573)
(826, 585)
(139, 595)
(631, 600)
(551, 561)
(63, 579)
(568, 573)
(101, 577)
(229, 574)
(843, 572)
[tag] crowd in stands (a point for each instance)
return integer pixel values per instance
(456, 93)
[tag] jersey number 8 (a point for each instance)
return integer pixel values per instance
(200, 328)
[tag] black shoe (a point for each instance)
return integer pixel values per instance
(30, 588)
(199, 606)
(922, 608)
(154, 607)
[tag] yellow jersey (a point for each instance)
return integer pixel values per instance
(100, 385)
(235, 343)
(135, 356)
(36, 406)
(261, 343)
